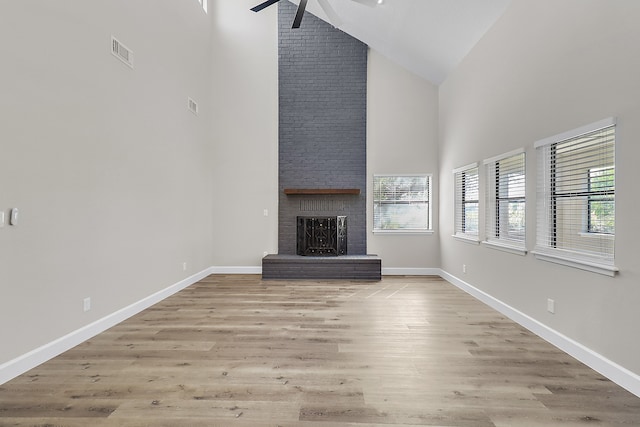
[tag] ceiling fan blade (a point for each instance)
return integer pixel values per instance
(299, 14)
(331, 13)
(263, 5)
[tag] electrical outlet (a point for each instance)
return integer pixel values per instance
(551, 306)
(87, 304)
(464, 268)
(13, 217)
(265, 212)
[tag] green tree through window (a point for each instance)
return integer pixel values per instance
(401, 202)
(601, 204)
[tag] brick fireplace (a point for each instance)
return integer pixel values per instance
(322, 149)
(322, 128)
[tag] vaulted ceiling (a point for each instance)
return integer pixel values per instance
(428, 37)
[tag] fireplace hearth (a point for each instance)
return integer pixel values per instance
(321, 236)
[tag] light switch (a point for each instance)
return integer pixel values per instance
(13, 219)
(2, 219)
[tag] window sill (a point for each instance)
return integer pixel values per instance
(597, 235)
(467, 239)
(402, 231)
(505, 247)
(583, 264)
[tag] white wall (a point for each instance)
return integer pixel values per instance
(118, 184)
(245, 129)
(109, 169)
(402, 138)
(245, 132)
(544, 68)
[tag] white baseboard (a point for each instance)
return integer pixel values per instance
(236, 270)
(30, 360)
(410, 271)
(385, 271)
(616, 373)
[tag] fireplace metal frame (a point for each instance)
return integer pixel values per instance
(321, 235)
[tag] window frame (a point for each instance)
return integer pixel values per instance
(573, 252)
(462, 200)
(493, 198)
(602, 196)
(428, 202)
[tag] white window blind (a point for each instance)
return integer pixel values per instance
(401, 202)
(466, 201)
(505, 199)
(576, 196)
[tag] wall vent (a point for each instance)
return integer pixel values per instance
(193, 106)
(121, 52)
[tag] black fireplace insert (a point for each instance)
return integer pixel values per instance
(322, 236)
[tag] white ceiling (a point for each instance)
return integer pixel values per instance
(428, 37)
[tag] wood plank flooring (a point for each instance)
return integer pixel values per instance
(237, 351)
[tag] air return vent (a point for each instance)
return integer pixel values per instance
(121, 52)
(193, 106)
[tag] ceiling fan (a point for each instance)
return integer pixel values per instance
(326, 6)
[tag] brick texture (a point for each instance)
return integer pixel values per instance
(350, 267)
(322, 129)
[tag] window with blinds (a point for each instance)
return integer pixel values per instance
(505, 200)
(466, 202)
(576, 197)
(402, 203)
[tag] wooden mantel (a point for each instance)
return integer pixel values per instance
(321, 191)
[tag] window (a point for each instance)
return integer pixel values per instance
(576, 198)
(401, 203)
(601, 204)
(506, 202)
(467, 202)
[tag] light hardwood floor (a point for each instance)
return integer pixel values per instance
(236, 351)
